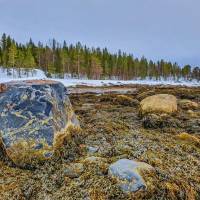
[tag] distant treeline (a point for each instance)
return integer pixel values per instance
(93, 63)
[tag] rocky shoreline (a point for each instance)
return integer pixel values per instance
(117, 132)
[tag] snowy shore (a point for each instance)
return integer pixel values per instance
(38, 75)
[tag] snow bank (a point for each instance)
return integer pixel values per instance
(99, 83)
(75, 82)
(7, 75)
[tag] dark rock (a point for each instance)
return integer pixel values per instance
(34, 115)
(160, 121)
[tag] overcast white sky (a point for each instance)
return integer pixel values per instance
(168, 29)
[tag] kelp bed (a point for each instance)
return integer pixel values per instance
(116, 131)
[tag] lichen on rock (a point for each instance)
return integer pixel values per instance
(34, 114)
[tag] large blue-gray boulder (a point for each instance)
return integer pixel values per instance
(128, 174)
(34, 118)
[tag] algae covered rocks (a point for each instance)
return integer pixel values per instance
(35, 116)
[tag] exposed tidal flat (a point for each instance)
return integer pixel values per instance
(125, 149)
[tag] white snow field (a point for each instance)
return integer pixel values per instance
(14, 73)
(36, 74)
(98, 83)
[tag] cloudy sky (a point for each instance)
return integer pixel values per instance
(168, 29)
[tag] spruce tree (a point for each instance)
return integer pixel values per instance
(12, 55)
(79, 60)
(29, 61)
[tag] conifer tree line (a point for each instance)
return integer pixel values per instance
(80, 61)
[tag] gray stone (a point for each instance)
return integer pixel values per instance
(127, 172)
(34, 115)
(92, 149)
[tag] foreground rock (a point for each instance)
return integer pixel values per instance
(161, 103)
(128, 174)
(35, 116)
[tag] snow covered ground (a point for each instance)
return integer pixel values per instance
(74, 82)
(20, 74)
(36, 74)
